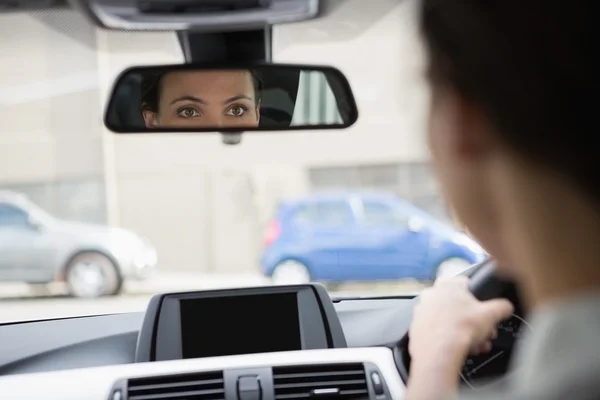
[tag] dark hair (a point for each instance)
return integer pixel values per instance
(528, 65)
(151, 86)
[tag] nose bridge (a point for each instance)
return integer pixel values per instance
(213, 117)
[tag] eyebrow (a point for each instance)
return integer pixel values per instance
(189, 98)
(202, 101)
(236, 98)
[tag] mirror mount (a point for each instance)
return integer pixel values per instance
(226, 47)
(231, 138)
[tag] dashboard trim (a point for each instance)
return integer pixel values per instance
(97, 383)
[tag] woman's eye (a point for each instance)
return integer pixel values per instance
(236, 111)
(188, 113)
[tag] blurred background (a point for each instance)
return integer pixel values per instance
(212, 215)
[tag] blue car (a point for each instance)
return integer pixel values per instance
(346, 237)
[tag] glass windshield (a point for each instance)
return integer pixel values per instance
(92, 222)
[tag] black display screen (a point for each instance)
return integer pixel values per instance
(229, 325)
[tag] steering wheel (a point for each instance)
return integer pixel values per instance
(484, 285)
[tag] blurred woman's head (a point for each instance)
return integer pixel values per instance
(201, 99)
(512, 113)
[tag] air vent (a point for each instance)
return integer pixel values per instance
(330, 381)
(199, 386)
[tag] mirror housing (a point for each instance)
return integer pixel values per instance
(230, 99)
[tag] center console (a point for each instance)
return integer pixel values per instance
(238, 321)
(262, 343)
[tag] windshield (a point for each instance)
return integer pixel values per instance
(127, 216)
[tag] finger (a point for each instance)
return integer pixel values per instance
(475, 350)
(462, 281)
(491, 336)
(441, 281)
(425, 293)
(485, 348)
(496, 310)
(482, 348)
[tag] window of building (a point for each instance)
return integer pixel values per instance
(413, 181)
(78, 200)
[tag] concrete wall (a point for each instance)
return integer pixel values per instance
(42, 139)
(50, 136)
(204, 204)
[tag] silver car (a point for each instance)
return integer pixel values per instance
(93, 260)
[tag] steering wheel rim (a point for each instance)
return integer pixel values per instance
(484, 284)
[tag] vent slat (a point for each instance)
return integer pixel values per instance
(339, 381)
(320, 384)
(355, 394)
(292, 396)
(177, 385)
(320, 374)
(198, 386)
(188, 395)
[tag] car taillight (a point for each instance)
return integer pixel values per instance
(273, 231)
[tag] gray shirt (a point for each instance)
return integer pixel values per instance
(559, 359)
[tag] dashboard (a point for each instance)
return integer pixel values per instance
(103, 357)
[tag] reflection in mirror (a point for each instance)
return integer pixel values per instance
(188, 99)
(267, 97)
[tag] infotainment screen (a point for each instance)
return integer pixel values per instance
(238, 321)
(229, 325)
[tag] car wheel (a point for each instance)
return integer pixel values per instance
(290, 273)
(93, 274)
(451, 267)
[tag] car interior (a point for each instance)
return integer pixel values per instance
(232, 343)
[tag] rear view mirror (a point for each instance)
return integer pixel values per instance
(188, 98)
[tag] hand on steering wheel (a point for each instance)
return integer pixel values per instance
(449, 319)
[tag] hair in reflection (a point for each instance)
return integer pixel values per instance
(151, 90)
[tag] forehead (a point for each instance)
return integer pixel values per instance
(208, 82)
